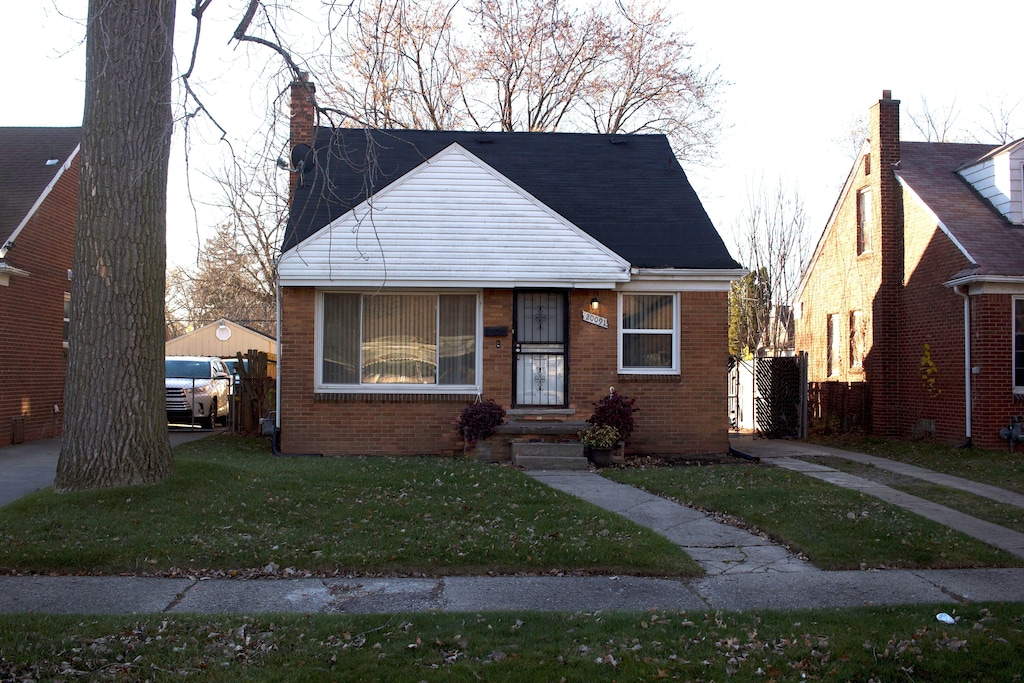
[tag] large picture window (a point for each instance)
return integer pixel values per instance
(649, 333)
(415, 340)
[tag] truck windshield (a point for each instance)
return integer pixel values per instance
(191, 369)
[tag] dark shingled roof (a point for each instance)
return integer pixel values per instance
(23, 170)
(626, 191)
(929, 168)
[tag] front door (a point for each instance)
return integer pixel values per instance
(540, 338)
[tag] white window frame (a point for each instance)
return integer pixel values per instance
(833, 344)
(865, 221)
(858, 331)
(66, 333)
(318, 336)
(1017, 390)
(674, 370)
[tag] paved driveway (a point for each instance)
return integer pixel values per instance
(31, 466)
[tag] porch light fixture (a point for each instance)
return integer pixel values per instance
(594, 304)
(223, 332)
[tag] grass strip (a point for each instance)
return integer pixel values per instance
(835, 528)
(864, 644)
(233, 507)
(1009, 516)
(998, 468)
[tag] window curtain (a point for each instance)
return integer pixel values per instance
(399, 339)
(341, 339)
(457, 357)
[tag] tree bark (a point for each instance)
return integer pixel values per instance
(115, 428)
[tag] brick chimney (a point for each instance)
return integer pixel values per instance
(303, 120)
(885, 156)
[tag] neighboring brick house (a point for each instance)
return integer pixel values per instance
(535, 269)
(916, 286)
(38, 199)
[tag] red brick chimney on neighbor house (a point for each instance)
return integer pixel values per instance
(303, 120)
(885, 157)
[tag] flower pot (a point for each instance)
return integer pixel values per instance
(601, 457)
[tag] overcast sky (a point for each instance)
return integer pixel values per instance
(800, 74)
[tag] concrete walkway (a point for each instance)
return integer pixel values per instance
(787, 454)
(717, 547)
(744, 571)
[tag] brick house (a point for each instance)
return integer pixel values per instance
(535, 269)
(38, 200)
(916, 286)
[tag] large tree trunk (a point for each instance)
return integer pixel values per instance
(115, 429)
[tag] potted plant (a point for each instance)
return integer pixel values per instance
(615, 410)
(600, 441)
(479, 421)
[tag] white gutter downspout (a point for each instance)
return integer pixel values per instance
(967, 363)
(277, 381)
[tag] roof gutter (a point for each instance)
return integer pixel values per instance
(5, 247)
(7, 270)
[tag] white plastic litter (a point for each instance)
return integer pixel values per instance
(945, 618)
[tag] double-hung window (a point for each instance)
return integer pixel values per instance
(649, 333)
(1018, 346)
(416, 342)
(864, 221)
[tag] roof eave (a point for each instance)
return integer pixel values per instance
(7, 271)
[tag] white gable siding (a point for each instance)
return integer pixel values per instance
(999, 180)
(452, 221)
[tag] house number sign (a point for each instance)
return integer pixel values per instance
(595, 320)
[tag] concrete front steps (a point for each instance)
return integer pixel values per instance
(538, 440)
(538, 455)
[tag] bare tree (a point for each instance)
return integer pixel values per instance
(650, 83)
(530, 65)
(936, 123)
(114, 424)
(234, 273)
(851, 142)
(773, 242)
(1000, 125)
(401, 68)
(536, 59)
(179, 310)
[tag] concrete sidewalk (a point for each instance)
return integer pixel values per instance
(788, 454)
(138, 595)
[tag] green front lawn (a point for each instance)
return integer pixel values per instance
(835, 528)
(904, 643)
(996, 467)
(233, 507)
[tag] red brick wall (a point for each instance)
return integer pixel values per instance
(932, 315)
(682, 414)
(842, 281)
(32, 355)
(882, 364)
(993, 402)
(900, 287)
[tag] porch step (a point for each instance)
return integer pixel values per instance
(542, 428)
(538, 455)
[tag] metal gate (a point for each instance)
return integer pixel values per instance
(780, 397)
(540, 341)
